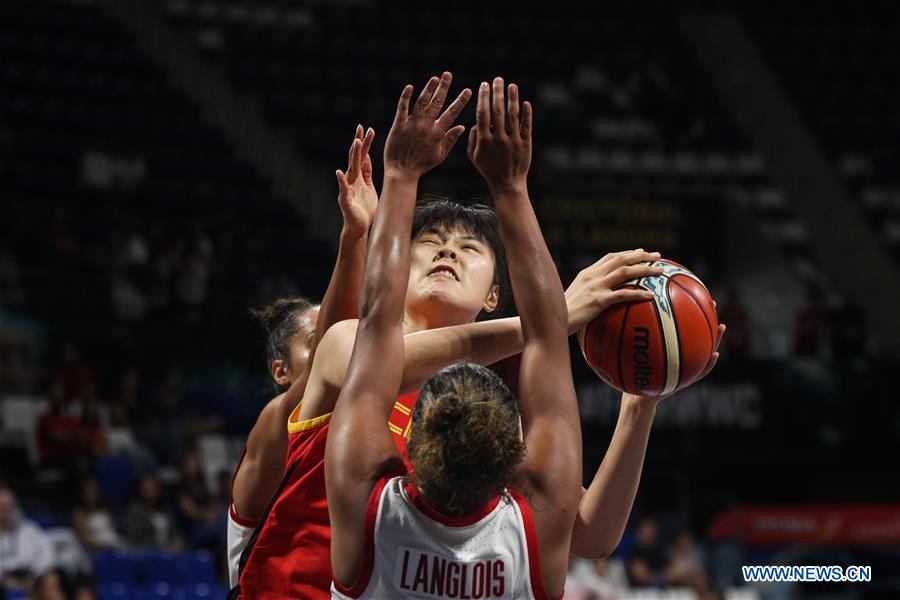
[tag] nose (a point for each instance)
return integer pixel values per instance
(446, 253)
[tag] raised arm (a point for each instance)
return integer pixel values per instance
(359, 449)
(263, 464)
(500, 148)
(357, 199)
(606, 504)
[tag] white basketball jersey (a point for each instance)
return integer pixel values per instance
(412, 551)
(238, 534)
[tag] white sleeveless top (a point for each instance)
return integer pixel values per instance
(413, 551)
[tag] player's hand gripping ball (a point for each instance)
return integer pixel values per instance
(657, 347)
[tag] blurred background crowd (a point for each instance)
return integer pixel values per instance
(164, 166)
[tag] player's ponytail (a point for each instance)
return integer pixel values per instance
(465, 441)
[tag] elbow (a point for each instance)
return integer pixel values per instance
(593, 550)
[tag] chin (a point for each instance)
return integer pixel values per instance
(443, 301)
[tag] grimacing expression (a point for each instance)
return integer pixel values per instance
(451, 273)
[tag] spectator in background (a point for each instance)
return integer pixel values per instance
(92, 522)
(127, 409)
(47, 587)
(647, 562)
(92, 427)
(84, 591)
(25, 550)
(147, 525)
(60, 437)
(75, 376)
(685, 567)
(732, 311)
(165, 421)
(593, 580)
(203, 518)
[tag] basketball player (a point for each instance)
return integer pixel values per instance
(294, 327)
(456, 528)
(289, 553)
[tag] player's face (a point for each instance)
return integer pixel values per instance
(301, 344)
(451, 277)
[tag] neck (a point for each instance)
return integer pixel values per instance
(444, 503)
(420, 321)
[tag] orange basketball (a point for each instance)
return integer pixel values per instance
(656, 347)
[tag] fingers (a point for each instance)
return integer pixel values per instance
(720, 333)
(526, 121)
(630, 295)
(627, 257)
(498, 111)
(426, 95)
(437, 101)
(367, 169)
(512, 109)
(355, 160)
(367, 140)
(482, 110)
(403, 104)
(450, 139)
(713, 360)
(632, 257)
(453, 111)
(627, 272)
(343, 187)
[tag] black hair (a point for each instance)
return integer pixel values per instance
(282, 320)
(440, 211)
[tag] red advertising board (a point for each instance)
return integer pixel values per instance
(856, 524)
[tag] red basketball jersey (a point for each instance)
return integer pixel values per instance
(290, 553)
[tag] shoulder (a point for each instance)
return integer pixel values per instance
(340, 333)
(30, 529)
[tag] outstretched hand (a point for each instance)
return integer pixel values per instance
(500, 142)
(596, 287)
(357, 196)
(421, 140)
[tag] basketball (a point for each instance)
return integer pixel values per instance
(657, 347)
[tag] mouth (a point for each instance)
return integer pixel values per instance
(445, 271)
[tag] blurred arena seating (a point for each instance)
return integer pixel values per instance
(130, 225)
(838, 65)
(114, 179)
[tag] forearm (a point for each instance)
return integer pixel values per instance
(535, 282)
(341, 300)
(606, 504)
(387, 260)
(483, 343)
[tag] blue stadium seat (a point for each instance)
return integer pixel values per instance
(115, 476)
(162, 591)
(114, 566)
(17, 594)
(116, 591)
(160, 567)
(197, 569)
(202, 591)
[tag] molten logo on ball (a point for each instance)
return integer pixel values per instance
(643, 370)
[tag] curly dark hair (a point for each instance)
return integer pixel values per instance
(465, 440)
(282, 320)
